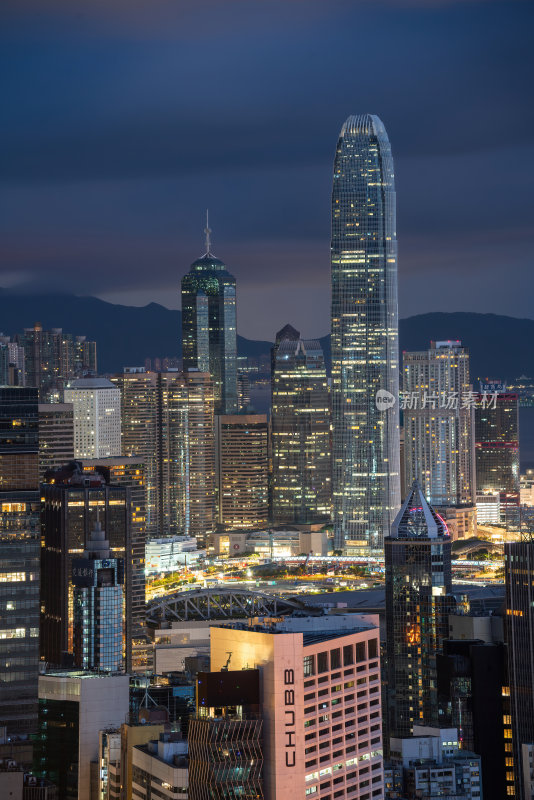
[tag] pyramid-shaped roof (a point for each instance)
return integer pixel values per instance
(417, 519)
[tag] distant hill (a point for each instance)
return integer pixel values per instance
(500, 347)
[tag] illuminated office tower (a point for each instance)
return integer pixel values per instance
(418, 602)
(497, 445)
(300, 433)
(201, 456)
(19, 560)
(287, 333)
(130, 473)
(365, 368)
(98, 600)
(167, 420)
(139, 395)
(209, 335)
(72, 502)
(97, 417)
(242, 470)
(56, 436)
(519, 637)
(438, 423)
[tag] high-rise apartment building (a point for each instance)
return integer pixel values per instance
(300, 433)
(438, 423)
(72, 503)
(209, 332)
(319, 726)
(418, 601)
(12, 371)
(19, 559)
(98, 600)
(129, 472)
(97, 417)
(497, 445)
(365, 361)
(242, 470)
(52, 358)
(167, 420)
(519, 635)
(56, 436)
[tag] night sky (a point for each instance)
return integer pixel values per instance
(123, 120)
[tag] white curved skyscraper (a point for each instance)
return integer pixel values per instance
(365, 353)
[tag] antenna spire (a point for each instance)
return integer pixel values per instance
(207, 231)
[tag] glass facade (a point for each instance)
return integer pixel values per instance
(19, 560)
(366, 469)
(70, 509)
(300, 433)
(438, 423)
(418, 602)
(167, 418)
(519, 637)
(209, 333)
(56, 746)
(98, 613)
(497, 445)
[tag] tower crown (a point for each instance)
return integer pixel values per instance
(417, 518)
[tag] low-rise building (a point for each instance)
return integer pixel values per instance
(170, 554)
(431, 764)
(276, 542)
(159, 768)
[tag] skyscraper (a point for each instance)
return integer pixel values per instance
(98, 580)
(365, 369)
(300, 433)
(97, 417)
(519, 635)
(438, 429)
(130, 473)
(19, 559)
(242, 470)
(56, 436)
(418, 601)
(497, 445)
(209, 334)
(167, 421)
(72, 502)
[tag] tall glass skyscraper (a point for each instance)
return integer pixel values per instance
(209, 335)
(365, 368)
(300, 433)
(418, 601)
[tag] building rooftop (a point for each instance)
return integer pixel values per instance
(91, 383)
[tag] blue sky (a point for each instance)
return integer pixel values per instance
(125, 119)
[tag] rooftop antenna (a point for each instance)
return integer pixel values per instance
(207, 231)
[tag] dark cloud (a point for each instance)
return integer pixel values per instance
(126, 119)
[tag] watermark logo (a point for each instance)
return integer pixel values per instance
(384, 400)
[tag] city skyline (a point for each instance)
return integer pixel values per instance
(131, 209)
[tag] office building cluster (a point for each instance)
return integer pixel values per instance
(111, 483)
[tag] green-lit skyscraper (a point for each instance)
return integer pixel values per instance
(209, 337)
(365, 360)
